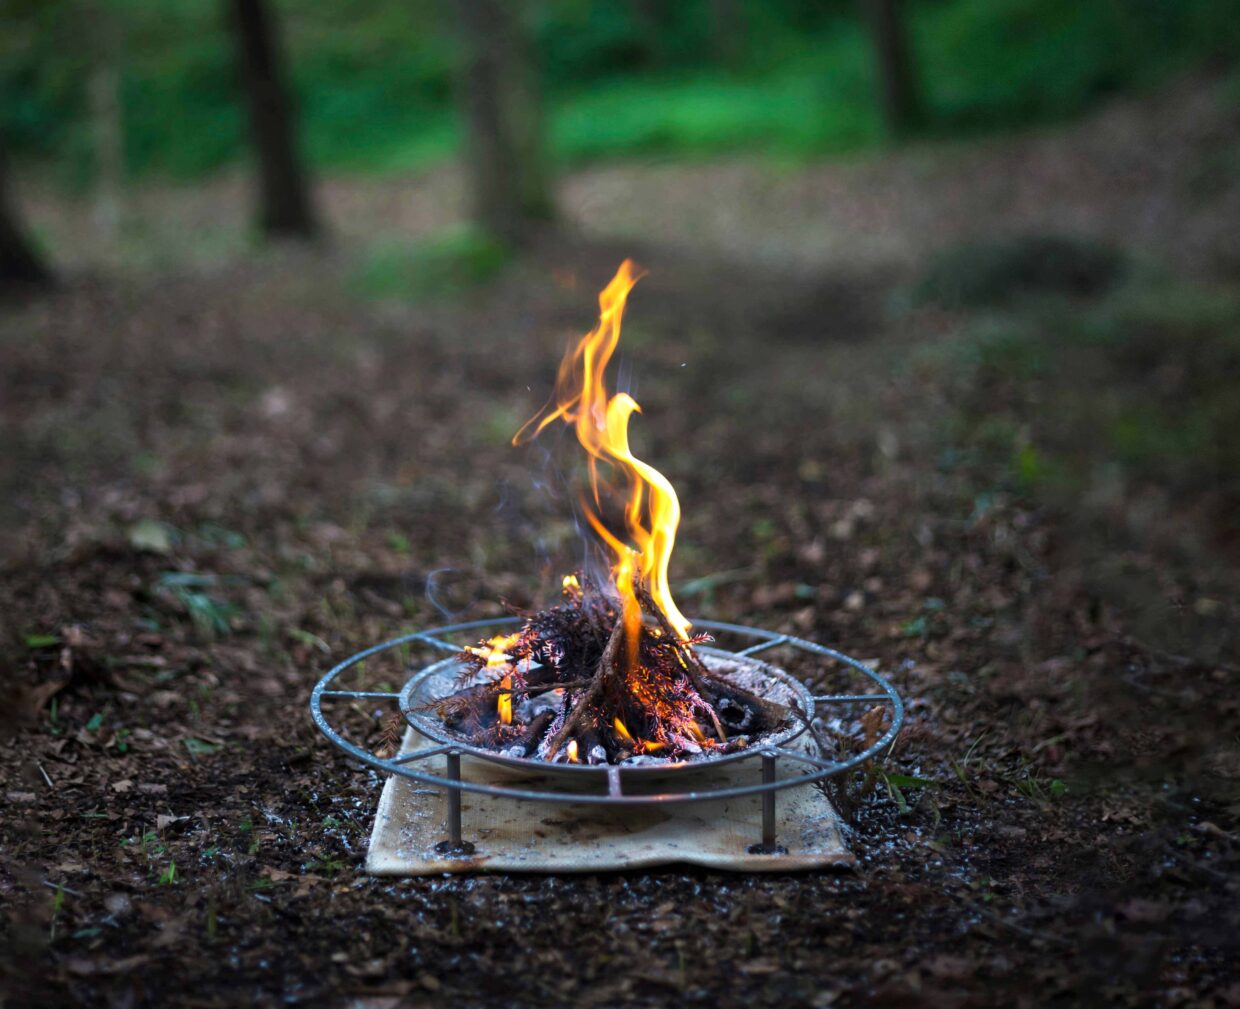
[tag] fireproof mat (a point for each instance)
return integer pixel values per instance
(513, 836)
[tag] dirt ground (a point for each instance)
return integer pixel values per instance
(223, 474)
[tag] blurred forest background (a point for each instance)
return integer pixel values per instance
(109, 96)
(374, 81)
(940, 347)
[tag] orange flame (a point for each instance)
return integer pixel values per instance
(504, 704)
(652, 511)
(622, 730)
(572, 752)
(495, 651)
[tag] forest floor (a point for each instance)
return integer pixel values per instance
(1012, 487)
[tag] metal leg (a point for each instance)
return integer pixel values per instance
(454, 845)
(768, 801)
(454, 801)
(768, 845)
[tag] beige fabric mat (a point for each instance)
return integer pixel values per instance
(512, 836)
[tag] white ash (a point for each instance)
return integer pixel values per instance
(530, 707)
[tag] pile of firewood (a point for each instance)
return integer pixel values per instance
(579, 684)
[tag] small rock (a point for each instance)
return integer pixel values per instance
(118, 903)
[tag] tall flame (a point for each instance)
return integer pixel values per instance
(652, 511)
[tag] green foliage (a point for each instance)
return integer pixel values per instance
(182, 115)
(1041, 790)
(1006, 63)
(898, 783)
(211, 616)
(200, 748)
(373, 79)
(1149, 370)
(804, 105)
(441, 266)
(36, 642)
(399, 543)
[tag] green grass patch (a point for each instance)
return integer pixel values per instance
(808, 106)
(442, 266)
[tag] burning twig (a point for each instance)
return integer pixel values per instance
(608, 670)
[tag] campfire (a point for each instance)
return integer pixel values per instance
(610, 674)
(609, 696)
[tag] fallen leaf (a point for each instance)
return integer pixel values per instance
(151, 536)
(29, 700)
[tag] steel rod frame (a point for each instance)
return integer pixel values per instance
(812, 768)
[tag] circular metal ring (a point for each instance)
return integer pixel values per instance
(818, 767)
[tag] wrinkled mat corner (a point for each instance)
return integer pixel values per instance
(511, 836)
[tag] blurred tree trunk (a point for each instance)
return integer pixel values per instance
(284, 201)
(901, 95)
(104, 94)
(507, 163)
(648, 18)
(727, 21)
(19, 264)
